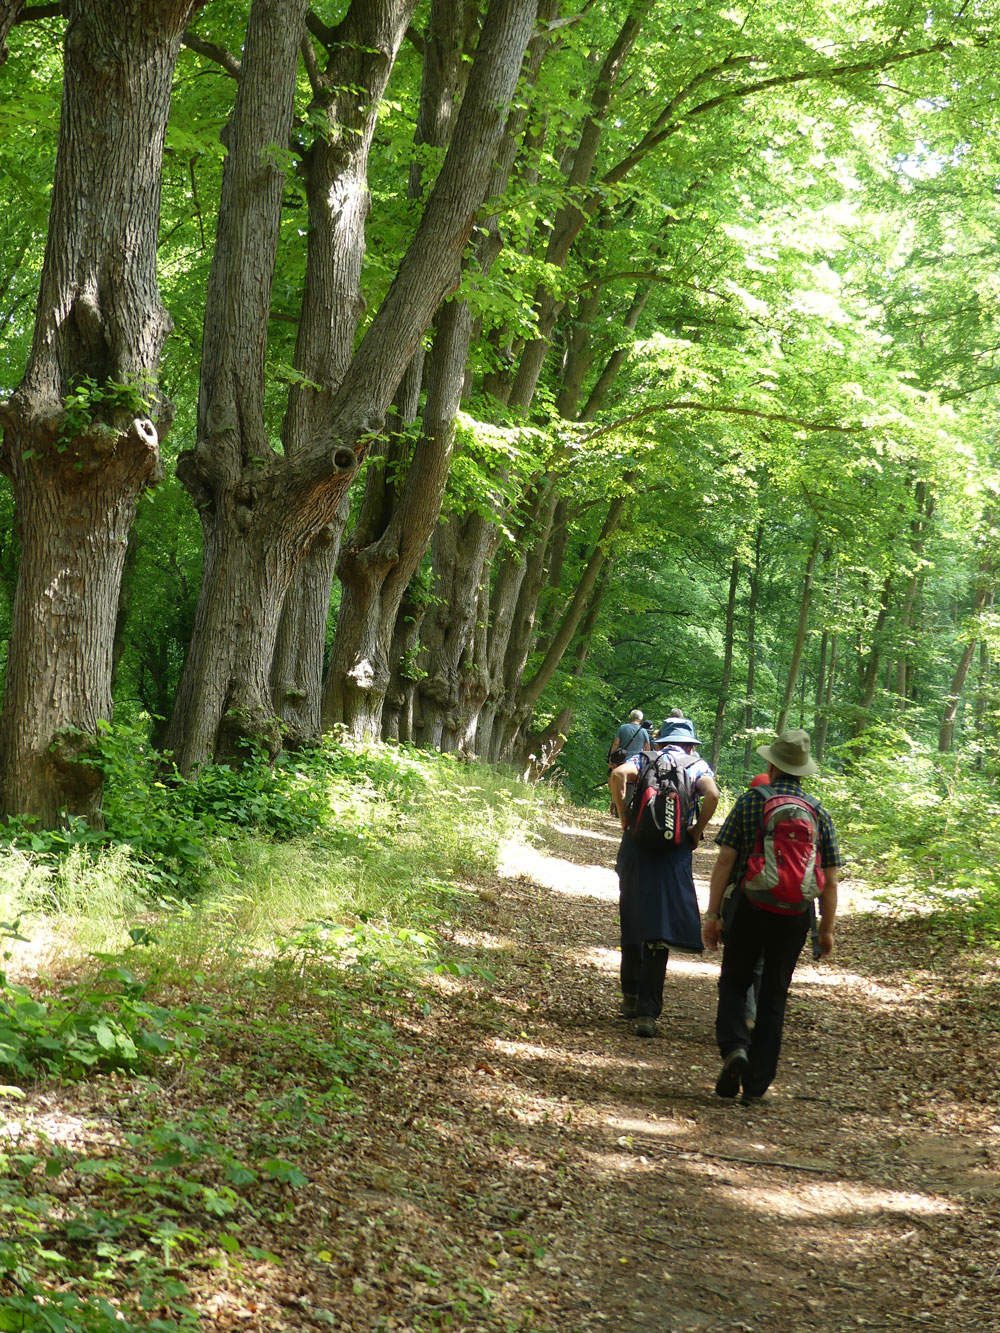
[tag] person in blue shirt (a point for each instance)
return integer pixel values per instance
(630, 739)
(657, 904)
(750, 1058)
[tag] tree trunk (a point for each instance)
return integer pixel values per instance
(540, 749)
(570, 219)
(823, 722)
(282, 503)
(81, 431)
(925, 510)
(748, 715)
(337, 184)
(727, 666)
(397, 521)
(360, 54)
(821, 669)
(233, 474)
(375, 575)
(599, 392)
(10, 12)
(460, 550)
(297, 666)
(492, 730)
(800, 638)
(531, 691)
(869, 674)
(982, 685)
(984, 588)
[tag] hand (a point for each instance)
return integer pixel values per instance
(694, 833)
(825, 942)
(711, 933)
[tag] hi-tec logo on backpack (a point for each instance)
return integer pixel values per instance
(783, 873)
(660, 810)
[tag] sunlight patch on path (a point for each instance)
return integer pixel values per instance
(820, 978)
(574, 831)
(664, 1127)
(836, 1199)
(557, 874)
(481, 939)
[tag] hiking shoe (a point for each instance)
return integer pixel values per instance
(756, 1099)
(645, 1027)
(731, 1073)
(629, 1005)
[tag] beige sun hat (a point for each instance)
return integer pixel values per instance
(790, 753)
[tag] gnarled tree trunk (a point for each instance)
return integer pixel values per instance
(277, 505)
(81, 432)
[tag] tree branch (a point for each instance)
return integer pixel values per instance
(686, 405)
(32, 12)
(662, 128)
(218, 54)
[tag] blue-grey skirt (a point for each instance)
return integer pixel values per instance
(656, 898)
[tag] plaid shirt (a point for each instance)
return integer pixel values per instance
(742, 824)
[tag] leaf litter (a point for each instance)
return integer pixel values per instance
(526, 1163)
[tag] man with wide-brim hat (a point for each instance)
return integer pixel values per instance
(790, 754)
(776, 931)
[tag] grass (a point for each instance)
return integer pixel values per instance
(271, 948)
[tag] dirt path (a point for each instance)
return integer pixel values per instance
(586, 1179)
(530, 1164)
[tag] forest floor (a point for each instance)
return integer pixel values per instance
(531, 1164)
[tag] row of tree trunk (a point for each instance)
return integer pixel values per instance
(449, 628)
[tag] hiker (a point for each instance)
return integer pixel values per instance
(769, 921)
(657, 905)
(732, 894)
(631, 738)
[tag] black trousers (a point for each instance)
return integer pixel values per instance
(643, 969)
(779, 939)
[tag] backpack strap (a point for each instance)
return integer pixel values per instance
(616, 744)
(681, 760)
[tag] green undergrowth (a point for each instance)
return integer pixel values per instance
(263, 968)
(921, 828)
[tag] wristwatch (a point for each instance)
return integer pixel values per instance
(712, 916)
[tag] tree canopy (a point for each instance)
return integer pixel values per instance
(470, 373)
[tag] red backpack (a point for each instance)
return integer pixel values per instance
(783, 873)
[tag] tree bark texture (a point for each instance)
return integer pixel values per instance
(493, 730)
(10, 12)
(472, 540)
(375, 575)
(78, 467)
(451, 692)
(233, 474)
(360, 54)
(396, 520)
(571, 219)
(296, 497)
(823, 717)
(925, 502)
(540, 749)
